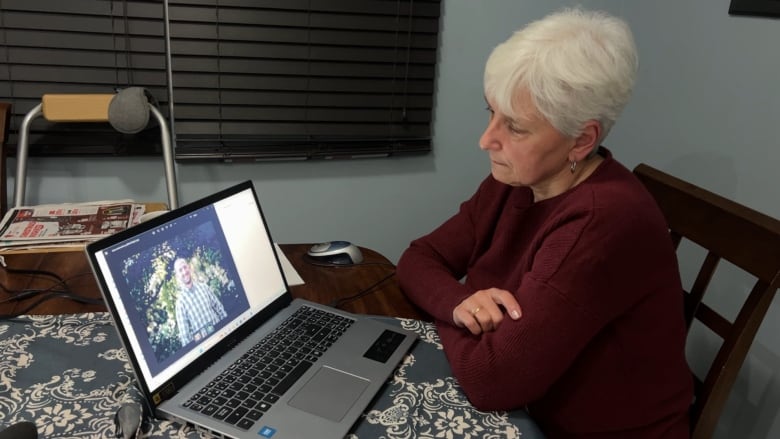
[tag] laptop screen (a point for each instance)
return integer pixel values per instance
(189, 279)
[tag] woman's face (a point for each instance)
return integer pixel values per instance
(527, 151)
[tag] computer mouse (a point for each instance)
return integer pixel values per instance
(336, 253)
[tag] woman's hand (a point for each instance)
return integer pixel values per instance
(481, 312)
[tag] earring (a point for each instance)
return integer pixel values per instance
(573, 166)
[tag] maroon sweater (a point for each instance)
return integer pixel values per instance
(599, 349)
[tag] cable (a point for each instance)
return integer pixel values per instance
(337, 303)
(25, 294)
(59, 282)
(312, 261)
(33, 272)
(58, 289)
(49, 296)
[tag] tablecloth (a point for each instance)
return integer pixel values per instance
(69, 375)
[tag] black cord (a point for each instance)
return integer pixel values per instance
(59, 289)
(319, 263)
(34, 272)
(24, 294)
(362, 293)
(16, 295)
(49, 296)
(336, 303)
(59, 281)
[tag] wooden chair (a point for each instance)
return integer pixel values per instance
(727, 231)
(5, 122)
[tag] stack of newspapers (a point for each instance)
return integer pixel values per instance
(66, 225)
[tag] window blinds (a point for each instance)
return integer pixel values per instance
(249, 79)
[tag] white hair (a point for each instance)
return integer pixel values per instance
(577, 66)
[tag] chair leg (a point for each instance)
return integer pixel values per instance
(21, 154)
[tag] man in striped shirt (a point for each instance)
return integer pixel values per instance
(198, 310)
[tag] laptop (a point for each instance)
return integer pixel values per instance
(196, 295)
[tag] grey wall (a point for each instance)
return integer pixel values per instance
(706, 108)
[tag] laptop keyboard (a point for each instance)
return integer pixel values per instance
(245, 391)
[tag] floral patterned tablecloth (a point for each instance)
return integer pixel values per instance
(69, 375)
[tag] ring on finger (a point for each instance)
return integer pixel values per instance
(475, 310)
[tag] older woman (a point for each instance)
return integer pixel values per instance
(555, 286)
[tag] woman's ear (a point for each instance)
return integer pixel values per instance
(587, 141)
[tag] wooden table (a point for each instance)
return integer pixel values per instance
(367, 288)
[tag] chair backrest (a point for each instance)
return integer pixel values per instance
(94, 108)
(726, 231)
(5, 120)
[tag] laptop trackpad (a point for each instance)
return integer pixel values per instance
(329, 393)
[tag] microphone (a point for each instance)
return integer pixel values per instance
(20, 430)
(128, 111)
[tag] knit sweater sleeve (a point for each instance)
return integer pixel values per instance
(590, 265)
(430, 270)
(518, 362)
